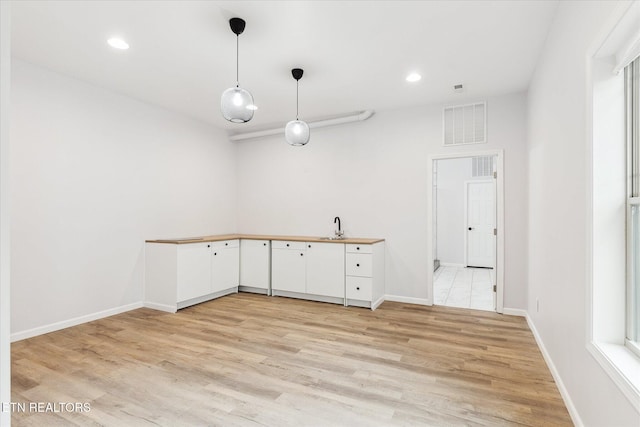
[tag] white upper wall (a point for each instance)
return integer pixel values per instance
(374, 176)
(559, 211)
(93, 175)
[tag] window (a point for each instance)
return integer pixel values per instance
(632, 135)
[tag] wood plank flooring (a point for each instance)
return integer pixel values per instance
(247, 360)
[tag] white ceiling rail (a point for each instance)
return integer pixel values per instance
(355, 117)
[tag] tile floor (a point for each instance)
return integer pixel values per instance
(464, 287)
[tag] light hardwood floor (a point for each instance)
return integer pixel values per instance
(254, 360)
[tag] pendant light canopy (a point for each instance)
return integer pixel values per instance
(297, 132)
(236, 103)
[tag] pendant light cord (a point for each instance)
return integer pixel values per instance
(297, 85)
(237, 60)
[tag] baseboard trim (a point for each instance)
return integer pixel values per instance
(573, 412)
(161, 307)
(41, 330)
(408, 300)
(514, 312)
(377, 303)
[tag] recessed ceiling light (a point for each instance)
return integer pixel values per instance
(413, 77)
(252, 107)
(118, 43)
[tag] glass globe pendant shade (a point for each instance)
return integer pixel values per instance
(237, 105)
(297, 133)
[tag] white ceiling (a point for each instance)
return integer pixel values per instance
(355, 54)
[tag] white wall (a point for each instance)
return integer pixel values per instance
(93, 175)
(558, 212)
(374, 176)
(5, 306)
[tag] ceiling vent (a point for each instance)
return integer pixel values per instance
(465, 124)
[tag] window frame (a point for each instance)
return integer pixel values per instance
(632, 136)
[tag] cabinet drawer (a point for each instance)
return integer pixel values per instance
(359, 288)
(286, 244)
(359, 249)
(225, 244)
(359, 265)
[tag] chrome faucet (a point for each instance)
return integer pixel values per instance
(339, 232)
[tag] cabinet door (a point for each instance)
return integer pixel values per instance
(288, 270)
(225, 266)
(325, 269)
(254, 263)
(194, 270)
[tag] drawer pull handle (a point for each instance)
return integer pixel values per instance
(208, 246)
(287, 245)
(358, 288)
(215, 253)
(264, 244)
(309, 245)
(301, 254)
(357, 248)
(226, 244)
(357, 265)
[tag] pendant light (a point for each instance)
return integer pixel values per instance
(297, 132)
(236, 103)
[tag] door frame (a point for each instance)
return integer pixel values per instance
(466, 218)
(499, 219)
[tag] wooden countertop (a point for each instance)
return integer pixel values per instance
(354, 240)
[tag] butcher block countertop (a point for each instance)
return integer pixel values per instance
(353, 240)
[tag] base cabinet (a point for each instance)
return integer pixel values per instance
(225, 265)
(288, 266)
(255, 266)
(177, 276)
(325, 269)
(180, 275)
(194, 271)
(364, 274)
(312, 270)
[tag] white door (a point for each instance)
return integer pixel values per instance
(194, 270)
(288, 270)
(255, 263)
(325, 269)
(225, 266)
(481, 220)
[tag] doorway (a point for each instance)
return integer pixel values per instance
(467, 247)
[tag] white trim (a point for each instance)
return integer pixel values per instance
(5, 210)
(408, 300)
(161, 307)
(377, 303)
(499, 165)
(573, 412)
(514, 312)
(40, 330)
(622, 366)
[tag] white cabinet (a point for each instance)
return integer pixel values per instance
(288, 266)
(325, 269)
(313, 270)
(194, 271)
(180, 275)
(255, 266)
(365, 274)
(225, 265)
